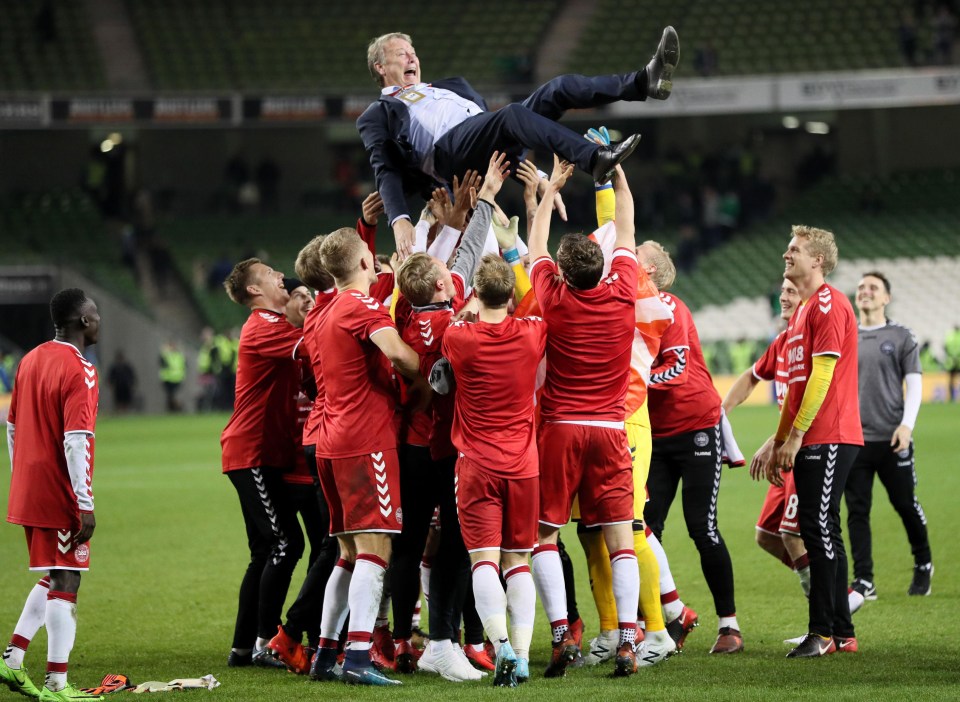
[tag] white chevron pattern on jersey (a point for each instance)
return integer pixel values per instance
(426, 331)
(383, 488)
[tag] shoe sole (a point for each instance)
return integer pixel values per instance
(504, 676)
(670, 55)
(566, 657)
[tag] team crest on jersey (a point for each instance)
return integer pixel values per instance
(82, 553)
(701, 439)
(887, 348)
(399, 514)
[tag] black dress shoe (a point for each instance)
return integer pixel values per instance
(239, 660)
(609, 157)
(662, 65)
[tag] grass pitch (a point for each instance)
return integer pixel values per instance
(169, 552)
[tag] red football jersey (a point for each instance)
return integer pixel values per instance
(301, 473)
(772, 366)
(311, 346)
(589, 341)
(682, 397)
(56, 392)
(423, 332)
(260, 431)
(825, 325)
(495, 369)
(359, 384)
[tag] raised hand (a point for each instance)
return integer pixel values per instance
(372, 208)
(497, 171)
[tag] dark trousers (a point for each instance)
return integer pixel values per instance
(532, 124)
(820, 473)
(899, 477)
(425, 484)
(304, 614)
(695, 459)
(276, 544)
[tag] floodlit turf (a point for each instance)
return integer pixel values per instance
(169, 553)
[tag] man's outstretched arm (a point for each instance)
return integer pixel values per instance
(540, 230)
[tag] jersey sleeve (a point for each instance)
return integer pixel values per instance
(670, 367)
(766, 366)
(546, 284)
(624, 272)
(910, 354)
(826, 324)
(80, 397)
(368, 317)
(273, 337)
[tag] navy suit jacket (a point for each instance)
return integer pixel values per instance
(385, 130)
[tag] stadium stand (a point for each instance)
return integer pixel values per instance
(47, 46)
(748, 36)
(909, 231)
(303, 45)
(65, 228)
(197, 242)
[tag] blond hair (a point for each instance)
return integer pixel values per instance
(309, 268)
(341, 252)
(240, 277)
(376, 52)
(659, 258)
(820, 242)
(494, 281)
(417, 279)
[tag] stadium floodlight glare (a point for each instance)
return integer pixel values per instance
(817, 127)
(106, 145)
(790, 122)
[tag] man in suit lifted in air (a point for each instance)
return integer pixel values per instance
(417, 133)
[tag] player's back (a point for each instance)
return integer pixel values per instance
(56, 391)
(423, 332)
(693, 402)
(589, 341)
(494, 367)
(360, 392)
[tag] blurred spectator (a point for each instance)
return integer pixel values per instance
(122, 380)
(268, 181)
(907, 37)
(161, 265)
(45, 23)
(741, 355)
(710, 231)
(944, 26)
(173, 370)
(951, 347)
(705, 60)
(209, 368)
(929, 362)
(8, 370)
(219, 270)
